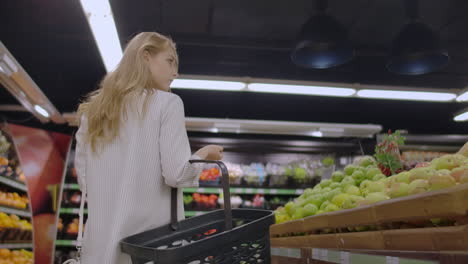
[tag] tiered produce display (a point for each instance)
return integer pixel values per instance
(361, 208)
(15, 214)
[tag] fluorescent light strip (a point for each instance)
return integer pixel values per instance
(406, 95)
(463, 97)
(207, 85)
(101, 21)
(40, 110)
(300, 89)
(461, 117)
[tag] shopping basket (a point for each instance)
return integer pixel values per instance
(222, 236)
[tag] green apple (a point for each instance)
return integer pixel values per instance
(376, 197)
(378, 177)
(331, 207)
(349, 169)
(324, 205)
(441, 180)
(337, 176)
(307, 192)
(352, 190)
(328, 196)
(358, 176)
(325, 183)
(398, 189)
(314, 200)
(372, 172)
(418, 186)
(298, 214)
(290, 208)
(376, 187)
(326, 190)
(457, 173)
(449, 162)
(310, 209)
(340, 199)
(348, 180)
(364, 187)
(352, 202)
(423, 173)
(403, 177)
(366, 161)
(335, 185)
(320, 212)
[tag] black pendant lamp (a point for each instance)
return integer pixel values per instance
(323, 42)
(417, 49)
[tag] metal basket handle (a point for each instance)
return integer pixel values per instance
(226, 193)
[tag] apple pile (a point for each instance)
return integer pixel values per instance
(13, 200)
(363, 183)
(13, 221)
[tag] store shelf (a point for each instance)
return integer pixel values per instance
(16, 246)
(194, 213)
(72, 211)
(244, 190)
(13, 183)
(17, 212)
(319, 255)
(71, 186)
(65, 243)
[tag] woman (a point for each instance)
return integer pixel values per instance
(132, 147)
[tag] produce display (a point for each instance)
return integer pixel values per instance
(364, 183)
(16, 256)
(13, 221)
(14, 200)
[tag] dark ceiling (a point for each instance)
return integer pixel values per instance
(52, 41)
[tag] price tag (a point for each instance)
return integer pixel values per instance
(249, 190)
(261, 191)
(201, 190)
(299, 191)
(237, 190)
(316, 253)
(273, 191)
(344, 257)
(324, 255)
(392, 260)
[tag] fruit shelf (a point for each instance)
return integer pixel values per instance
(17, 212)
(248, 190)
(321, 255)
(72, 211)
(16, 246)
(65, 243)
(13, 183)
(446, 204)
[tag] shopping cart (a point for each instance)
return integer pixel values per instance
(222, 236)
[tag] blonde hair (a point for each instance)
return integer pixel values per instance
(107, 106)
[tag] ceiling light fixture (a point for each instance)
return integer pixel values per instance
(406, 95)
(417, 49)
(463, 97)
(102, 24)
(39, 109)
(207, 85)
(461, 116)
(300, 89)
(323, 42)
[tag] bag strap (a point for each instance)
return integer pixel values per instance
(174, 206)
(79, 240)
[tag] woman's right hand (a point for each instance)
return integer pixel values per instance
(210, 152)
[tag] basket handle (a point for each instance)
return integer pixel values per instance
(226, 193)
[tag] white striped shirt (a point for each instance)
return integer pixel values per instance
(128, 181)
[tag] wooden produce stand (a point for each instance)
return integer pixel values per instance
(397, 228)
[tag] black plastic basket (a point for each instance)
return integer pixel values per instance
(222, 236)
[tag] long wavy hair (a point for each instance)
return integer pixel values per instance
(106, 107)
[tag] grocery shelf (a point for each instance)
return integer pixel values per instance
(17, 212)
(13, 183)
(245, 190)
(369, 256)
(65, 243)
(194, 213)
(71, 186)
(16, 246)
(72, 211)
